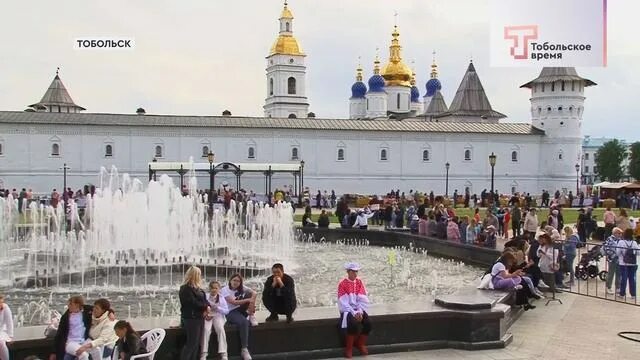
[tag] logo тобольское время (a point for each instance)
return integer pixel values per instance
(520, 37)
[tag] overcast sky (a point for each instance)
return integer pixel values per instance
(201, 57)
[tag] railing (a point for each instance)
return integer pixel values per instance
(591, 271)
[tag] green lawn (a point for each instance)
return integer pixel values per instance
(570, 215)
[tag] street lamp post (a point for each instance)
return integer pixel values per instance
(64, 177)
(154, 171)
(210, 157)
(492, 162)
(446, 182)
(300, 195)
(577, 179)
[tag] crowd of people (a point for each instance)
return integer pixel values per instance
(205, 312)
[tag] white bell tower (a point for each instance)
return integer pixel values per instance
(286, 73)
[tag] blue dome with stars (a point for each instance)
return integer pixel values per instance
(415, 94)
(376, 83)
(433, 85)
(358, 89)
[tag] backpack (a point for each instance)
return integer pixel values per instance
(609, 249)
(629, 257)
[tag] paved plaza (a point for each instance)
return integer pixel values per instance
(581, 328)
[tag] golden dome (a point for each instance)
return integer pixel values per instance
(396, 72)
(286, 45)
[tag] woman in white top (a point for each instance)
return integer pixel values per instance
(549, 261)
(6, 329)
(216, 317)
(628, 251)
(241, 301)
(102, 332)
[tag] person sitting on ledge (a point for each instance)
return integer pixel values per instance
(323, 220)
(502, 279)
(6, 329)
(279, 294)
(490, 241)
(102, 336)
(129, 343)
(73, 330)
(306, 218)
(215, 318)
(353, 304)
(241, 301)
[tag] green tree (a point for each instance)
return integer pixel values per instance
(634, 161)
(609, 160)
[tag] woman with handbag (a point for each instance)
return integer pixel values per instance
(549, 262)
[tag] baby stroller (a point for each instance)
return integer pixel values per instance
(588, 265)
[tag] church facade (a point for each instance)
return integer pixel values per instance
(393, 138)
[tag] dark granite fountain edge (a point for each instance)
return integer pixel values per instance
(472, 255)
(315, 333)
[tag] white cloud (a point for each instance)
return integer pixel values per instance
(203, 56)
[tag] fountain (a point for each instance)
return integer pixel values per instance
(134, 244)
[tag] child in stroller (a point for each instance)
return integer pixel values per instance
(588, 265)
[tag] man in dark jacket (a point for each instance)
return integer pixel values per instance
(279, 294)
(75, 305)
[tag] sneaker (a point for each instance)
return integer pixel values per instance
(223, 356)
(244, 353)
(289, 319)
(632, 298)
(538, 292)
(518, 287)
(609, 291)
(272, 317)
(252, 319)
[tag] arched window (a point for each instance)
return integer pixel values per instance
(294, 153)
(425, 155)
(205, 151)
(292, 116)
(383, 155)
(108, 150)
(158, 151)
(55, 149)
(251, 153)
(340, 154)
(287, 26)
(514, 156)
(271, 86)
(291, 85)
(467, 155)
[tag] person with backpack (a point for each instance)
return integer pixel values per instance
(628, 251)
(609, 250)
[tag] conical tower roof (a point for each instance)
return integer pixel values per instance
(552, 74)
(470, 99)
(56, 94)
(437, 105)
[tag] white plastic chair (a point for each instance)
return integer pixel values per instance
(154, 338)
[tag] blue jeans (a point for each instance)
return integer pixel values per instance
(628, 272)
(570, 260)
(239, 319)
